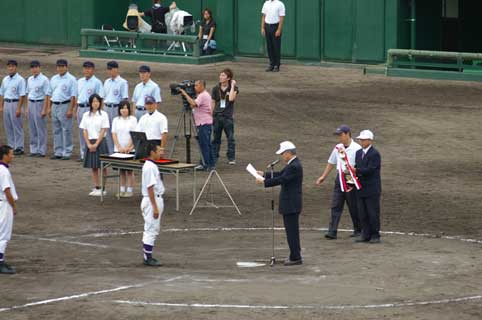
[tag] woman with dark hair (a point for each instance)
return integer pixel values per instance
(206, 33)
(121, 128)
(94, 125)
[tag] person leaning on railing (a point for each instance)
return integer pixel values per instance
(206, 33)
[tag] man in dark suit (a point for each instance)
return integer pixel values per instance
(290, 198)
(367, 167)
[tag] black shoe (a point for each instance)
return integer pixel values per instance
(375, 240)
(65, 158)
(276, 69)
(269, 69)
(289, 262)
(54, 157)
(330, 236)
(18, 152)
(151, 262)
(361, 239)
(80, 160)
(6, 269)
(33, 155)
(40, 155)
(355, 234)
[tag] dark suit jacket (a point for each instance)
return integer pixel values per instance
(291, 180)
(368, 172)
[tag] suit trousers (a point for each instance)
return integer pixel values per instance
(273, 44)
(13, 126)
(337, 204)
(369, 209)
(62, 128)
(37, 128)
(292, 228)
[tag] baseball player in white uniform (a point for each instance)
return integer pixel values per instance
(8, 209)
(152, 204)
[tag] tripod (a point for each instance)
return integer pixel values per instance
(186, 122)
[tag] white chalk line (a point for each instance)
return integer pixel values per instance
(285, 307)
(83, 295)
(78, 243)
(240, 229)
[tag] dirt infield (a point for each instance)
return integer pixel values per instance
(80, 259)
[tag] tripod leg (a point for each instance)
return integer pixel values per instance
(201, 193)
(176, 134)
(227, 191)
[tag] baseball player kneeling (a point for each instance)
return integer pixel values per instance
(152, 204)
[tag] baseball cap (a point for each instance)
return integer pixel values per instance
(112, 65)
(12, 63)
(365, 135)
(34, 63)
(342, 129)
(285, 146)
(144, 69)
(62, 62)
(88, 64)
(149, 100)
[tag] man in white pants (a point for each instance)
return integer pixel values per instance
(8, 209)
(152, 204)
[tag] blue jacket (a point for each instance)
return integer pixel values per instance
(368, 172)
(291, 180)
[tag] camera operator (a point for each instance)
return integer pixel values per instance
(224, 95)
(158, 16)
(203, 119)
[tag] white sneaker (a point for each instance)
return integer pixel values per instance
(92, 193)
(96, 193)
(232, 162)
(120, 195)
(103, 193)
(128, 194)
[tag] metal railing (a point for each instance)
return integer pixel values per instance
(153, 43)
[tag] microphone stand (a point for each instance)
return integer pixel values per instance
(273, 258)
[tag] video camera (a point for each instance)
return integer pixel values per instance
(186, 85)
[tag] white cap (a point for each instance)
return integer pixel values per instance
(365, 135)
(284, 146)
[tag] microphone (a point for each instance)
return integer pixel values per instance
(272, 164)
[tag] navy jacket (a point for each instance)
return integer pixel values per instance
(368, 172)
(291, 180)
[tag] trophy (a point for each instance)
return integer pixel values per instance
(350, 183)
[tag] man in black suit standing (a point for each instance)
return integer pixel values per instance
(367, 167)
(290, 198)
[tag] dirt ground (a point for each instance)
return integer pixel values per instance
(80, 259)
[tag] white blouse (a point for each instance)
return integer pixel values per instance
(94, 123)
(122, 128)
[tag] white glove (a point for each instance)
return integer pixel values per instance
(206, 46)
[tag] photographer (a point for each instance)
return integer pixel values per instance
(224, 95)
(158, 16)
(203, 118)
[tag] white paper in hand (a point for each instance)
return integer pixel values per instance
(253, 172)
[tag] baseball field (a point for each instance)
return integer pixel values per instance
(78, 258)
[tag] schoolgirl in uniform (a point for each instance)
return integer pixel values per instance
(121, 128)
(94, 125)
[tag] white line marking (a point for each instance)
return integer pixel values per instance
(84, 295)
(277, 307)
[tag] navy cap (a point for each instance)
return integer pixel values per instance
(88, 64)
(12, 63)
(144, 69)
(149, 100)
(34, 63)
(62, 62)
(342, 129)
(112, 65)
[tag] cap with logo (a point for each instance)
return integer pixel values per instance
(144, 69)
(34, 63)
(342, 129)
(112, 65)
(12, 63)
(149, 100)
(88, 64)
(366, 135)
(62, 63)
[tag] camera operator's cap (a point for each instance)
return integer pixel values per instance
(34, 63)
(285, 146)
(365, 135)
(149, 100)
(88, 64)
(144, 69)
(342, 129)
(112, 65)
(12, 63)
(61, 63)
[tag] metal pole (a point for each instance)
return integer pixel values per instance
(273, 259)
(413, 22)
